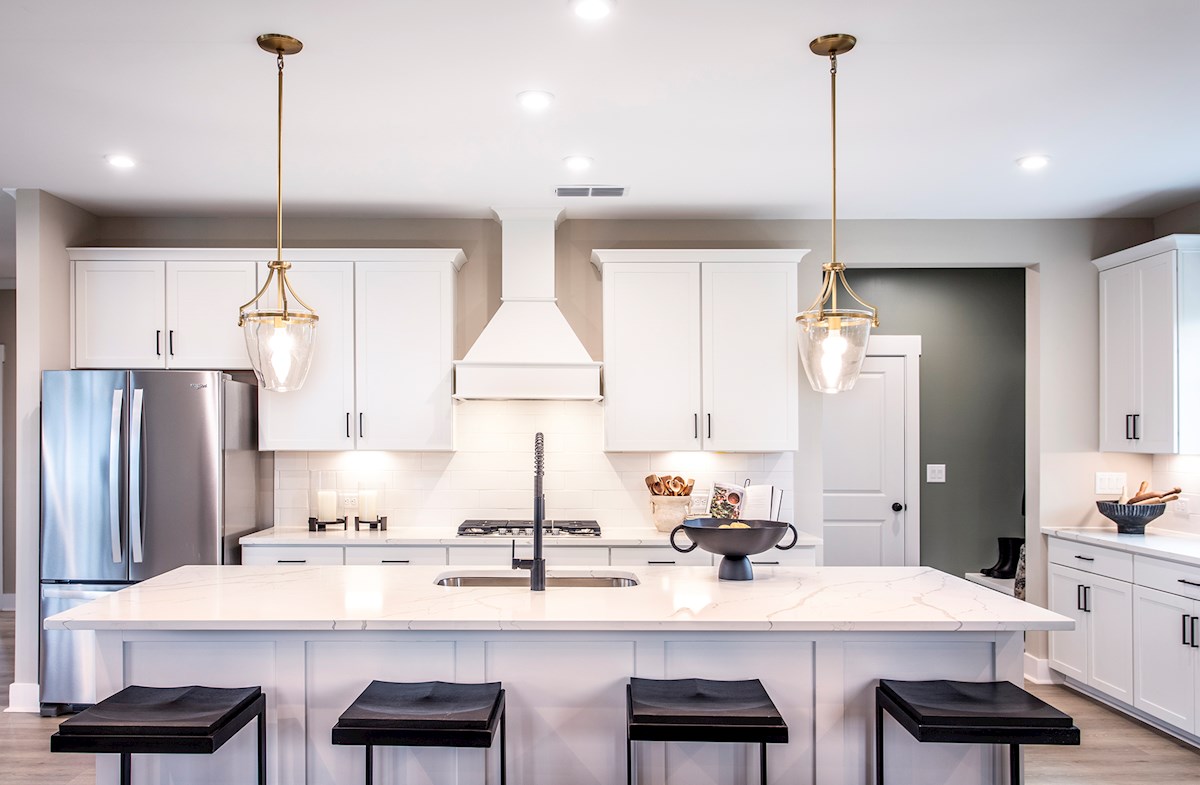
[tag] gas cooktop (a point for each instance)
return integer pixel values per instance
(495, 528)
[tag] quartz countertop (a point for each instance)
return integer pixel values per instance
(1164, 544)
(614, 536)
(372, 597)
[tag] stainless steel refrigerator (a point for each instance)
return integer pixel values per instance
(142, 471)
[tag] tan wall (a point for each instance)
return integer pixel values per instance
(8, 421)
(1185, 220)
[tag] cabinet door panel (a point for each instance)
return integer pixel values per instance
(202, 306)
(1068, 648)
(1118, 357)
(1164, 679)
(120, 315)
(404, 332)
(319, 415)
(652, 357)
(749, 356)
(1156, 376)
(1110, 630)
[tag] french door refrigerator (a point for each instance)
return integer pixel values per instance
(142, 471)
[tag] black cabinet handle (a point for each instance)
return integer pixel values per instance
(1189, 583)
(291, 561)
(1195, 643)
(360, 425)
(1187, 625)
(347, 425)
(672, 561)
(171, 342)
(775, 563)
(709, 416)
(1129, 426)
(1085, 558)
(695, 425)
(1078, 597)
(1087, 599)
(395, 561)
(158, 342)
(1137, 426)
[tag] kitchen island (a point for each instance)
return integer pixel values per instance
(314, 636)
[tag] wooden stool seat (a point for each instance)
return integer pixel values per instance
(424, 714)
(961, 712)
(701, 710)
(164, 720)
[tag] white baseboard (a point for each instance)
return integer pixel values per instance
(8, 602)
(25, 697)
(1037, 670)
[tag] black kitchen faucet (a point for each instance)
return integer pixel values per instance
(536, 565)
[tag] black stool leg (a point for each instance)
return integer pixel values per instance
(262, 748)
(503, 751)
(370, 766)
(1014, 763)
(762, 760)
(126, 769)
(878, 742)
(628, 760)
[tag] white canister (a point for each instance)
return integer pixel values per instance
(669, 511)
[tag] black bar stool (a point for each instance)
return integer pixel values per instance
(424, 714)
(965, 712)
(165, 720)
(701, 710)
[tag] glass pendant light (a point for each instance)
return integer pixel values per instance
(833, 341)
(279, 338)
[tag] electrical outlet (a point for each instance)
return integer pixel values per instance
(1110, 483)
(1181, 507)
(935, 472)
(350, 501)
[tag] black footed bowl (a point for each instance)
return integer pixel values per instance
(736, 545)
(1130, 518)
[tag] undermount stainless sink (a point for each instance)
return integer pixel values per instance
(560, 580)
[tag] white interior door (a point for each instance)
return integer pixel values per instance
(863, 433)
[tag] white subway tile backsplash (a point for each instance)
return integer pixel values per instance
(491, 473)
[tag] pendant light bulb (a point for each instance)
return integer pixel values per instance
(280, 339)
(833, 341)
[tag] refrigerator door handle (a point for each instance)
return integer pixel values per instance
(114, 475)
(135, 477)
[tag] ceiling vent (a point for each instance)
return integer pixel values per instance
(590, 190)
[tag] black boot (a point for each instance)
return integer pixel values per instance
(999, 560)
(1010, 552)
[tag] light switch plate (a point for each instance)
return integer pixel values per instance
(1110, 483)
(935, 472)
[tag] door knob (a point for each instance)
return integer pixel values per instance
(897, 507)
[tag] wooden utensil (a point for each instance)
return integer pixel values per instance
(676, 484)
(651, 479)
(687, 489)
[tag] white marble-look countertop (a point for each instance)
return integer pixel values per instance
(372, 597)
(1164, 544)
(432, 535)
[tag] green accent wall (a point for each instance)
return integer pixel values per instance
(972, 328)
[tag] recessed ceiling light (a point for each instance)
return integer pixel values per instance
(1033, 162)
(535, 100)
(578, 163)
(592, 9)
(120, 161)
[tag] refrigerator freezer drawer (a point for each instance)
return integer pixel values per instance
(68, 661)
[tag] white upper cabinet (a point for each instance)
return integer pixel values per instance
(382, 373)
(1149, 315)
(699, 349)
(160, 308)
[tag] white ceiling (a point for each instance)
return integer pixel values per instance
(699, 107)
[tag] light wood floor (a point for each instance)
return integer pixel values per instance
(1115, 750)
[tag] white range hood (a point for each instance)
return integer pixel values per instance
(527, 351)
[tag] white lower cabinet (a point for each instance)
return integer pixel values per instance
(399, 555)
(293, 554)
(1165, 656)
(642, 556)
(1099, 651)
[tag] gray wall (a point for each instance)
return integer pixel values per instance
(972, 328)
(8, 421)
(1184, 220)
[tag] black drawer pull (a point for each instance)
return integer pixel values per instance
(1190, 583)
(395, 561)
(291, 561)
(1187, 625)
(1087, 599)
(775, 563)
(672, 561)
(1085, 558)
(1078, 597)
(1195, 643)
